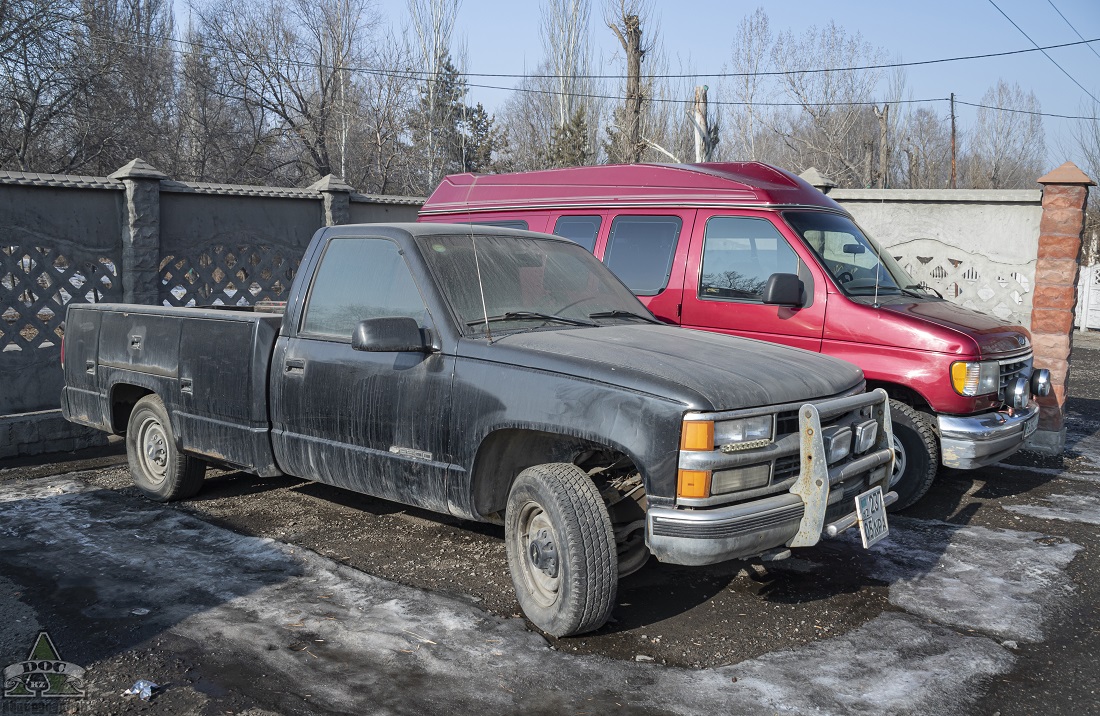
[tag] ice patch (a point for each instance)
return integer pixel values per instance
(992, 580)
(335, 639)
(1068, 508)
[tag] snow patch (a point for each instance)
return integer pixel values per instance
(1068, 508)
(993, 580)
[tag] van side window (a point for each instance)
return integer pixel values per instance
(339, 297)
(580, 229)
(640, 251)
(739, 254)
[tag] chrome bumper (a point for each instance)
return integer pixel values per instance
(967, 442)
(792, 519)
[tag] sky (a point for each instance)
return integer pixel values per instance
(503, 37)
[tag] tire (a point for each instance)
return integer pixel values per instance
(158, 468)
(917, 454)
(561, 549)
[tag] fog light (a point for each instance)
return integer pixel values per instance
(838, 443)
(742, 478)
(1020, 391)
(1040, 383)
(866, 435)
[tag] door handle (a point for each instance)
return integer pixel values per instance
(89, 367)
(186, 386)
(295, 366)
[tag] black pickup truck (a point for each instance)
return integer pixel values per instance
(501, 376)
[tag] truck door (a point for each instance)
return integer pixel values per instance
(370, 422)
(732, 258)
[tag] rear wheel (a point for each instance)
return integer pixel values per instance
(916, 454)
(561, 549)
(158, 468)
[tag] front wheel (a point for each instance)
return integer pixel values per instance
(561, 549)
(158, 468)
(916, 454)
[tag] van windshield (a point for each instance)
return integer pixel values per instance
(857, 264)
(526, 284)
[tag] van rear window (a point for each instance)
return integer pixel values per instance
(580, 229)
(640, 251)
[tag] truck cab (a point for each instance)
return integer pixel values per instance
(751, 250)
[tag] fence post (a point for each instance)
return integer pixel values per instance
(337, 199)
(140, 231)
(1065, 191)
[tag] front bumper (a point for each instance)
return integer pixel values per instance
(971, 441)
(819, 503)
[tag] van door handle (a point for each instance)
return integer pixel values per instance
(295, 366)
(186, 386)
(89, 367)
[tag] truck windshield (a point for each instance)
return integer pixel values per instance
(527, 284)
(857, 264)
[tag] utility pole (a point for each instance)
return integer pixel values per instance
(953, 185)
(883, 143)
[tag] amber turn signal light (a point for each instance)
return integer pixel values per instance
(693, 483)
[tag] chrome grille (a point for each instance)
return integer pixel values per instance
(1011, 368)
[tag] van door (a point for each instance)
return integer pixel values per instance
(648, 251)
(732, 257)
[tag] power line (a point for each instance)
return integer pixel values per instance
(1072, 27)
(1067, 74)
(1022, 111)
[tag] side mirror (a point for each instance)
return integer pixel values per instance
(389, 335)
(783, 289)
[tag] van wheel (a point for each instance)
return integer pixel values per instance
(916, 454)
(561, 549)
(158, 468)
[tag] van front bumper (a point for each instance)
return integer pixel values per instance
(971, 441)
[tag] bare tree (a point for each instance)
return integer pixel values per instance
(926, 147)
(1007, 149)
(625, 18)
(749, 124)
(433, 24)
(1085, 144)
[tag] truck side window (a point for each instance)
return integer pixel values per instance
(580, 229)
(739, 254)
(640, 251)
(340, 296)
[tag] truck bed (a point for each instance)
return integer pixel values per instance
(210, 366)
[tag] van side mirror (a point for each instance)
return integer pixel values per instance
(399, 334)
(783, 289)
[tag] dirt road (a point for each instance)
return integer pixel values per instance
(280, 596)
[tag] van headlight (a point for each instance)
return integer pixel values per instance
(972, 378)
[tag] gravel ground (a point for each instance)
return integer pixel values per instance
(704, 620)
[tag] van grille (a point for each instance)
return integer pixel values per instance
(1011, 369)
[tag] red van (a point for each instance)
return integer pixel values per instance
(752, 250)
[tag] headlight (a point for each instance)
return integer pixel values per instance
(741, 478)
(972, 378)
(838, 443)
(744, 433)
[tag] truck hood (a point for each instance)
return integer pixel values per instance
(706, 371)
(990, 335)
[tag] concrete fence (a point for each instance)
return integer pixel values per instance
(138, 236)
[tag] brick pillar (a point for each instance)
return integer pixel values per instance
(1065, 191)
(140, 232)
(336, 196)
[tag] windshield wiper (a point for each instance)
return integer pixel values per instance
(622, 314)
(522, 315)
(914, 294)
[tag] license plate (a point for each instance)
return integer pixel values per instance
(871, 512)
(1030, 425)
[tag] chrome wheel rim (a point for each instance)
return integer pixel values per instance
(899, 462)
(153, 449)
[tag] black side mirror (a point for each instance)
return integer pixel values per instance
(783, 289)
(399, 334)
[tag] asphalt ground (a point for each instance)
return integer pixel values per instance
(283, 596)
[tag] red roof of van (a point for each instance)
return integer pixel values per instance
(716, 183)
